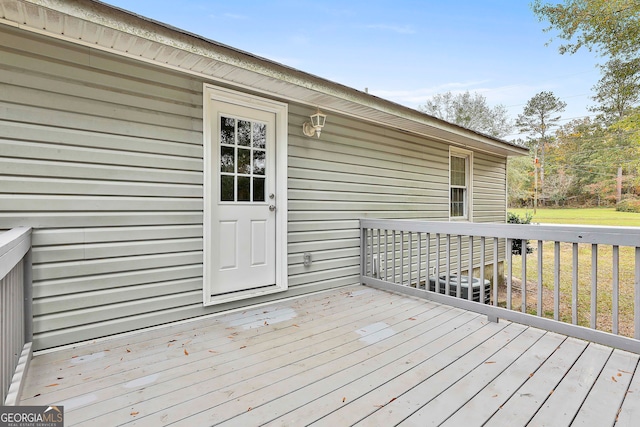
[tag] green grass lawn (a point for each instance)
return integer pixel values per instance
(592, 216)
(601, 216)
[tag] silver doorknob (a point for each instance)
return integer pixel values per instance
(272, 208)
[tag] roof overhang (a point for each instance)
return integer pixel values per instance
(104, 27)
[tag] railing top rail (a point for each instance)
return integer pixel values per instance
(621, 236)
(12, 238)
(14, 244)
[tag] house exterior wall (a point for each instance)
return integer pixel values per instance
(103, 157)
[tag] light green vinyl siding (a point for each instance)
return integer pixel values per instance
(103, 157)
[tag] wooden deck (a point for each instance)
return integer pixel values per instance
(355, 356)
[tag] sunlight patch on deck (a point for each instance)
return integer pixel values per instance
(78, 402)
(142, 381)
(264, 318)
(375, 332)
(88, 358)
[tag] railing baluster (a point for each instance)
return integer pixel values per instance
(495, 271)
(594, 286)
(393, 242)
(402, 257)
(427, 273)
(410, 267)
(615, 291)
(556, 281)
(482, 272)
(523, 290)
(540, 282)
(509, 256)
(379, 258)
(437, 279)
(459, 274)
(574, 285)
(419, 259)
(447, 285)
(370, 251)
(470, 288)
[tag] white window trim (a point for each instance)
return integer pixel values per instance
(468, 207)
(281, 110)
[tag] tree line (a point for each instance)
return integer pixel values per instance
(588, 161)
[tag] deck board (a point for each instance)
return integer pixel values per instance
(353, 356)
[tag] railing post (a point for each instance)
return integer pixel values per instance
(28, 296)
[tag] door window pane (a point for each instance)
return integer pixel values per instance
(227, 130)
(227, 159)
(244, 189)
(259, 135)
(258, 190)
(244, 133)
(227, 188)
(259, 162)
(244, 160)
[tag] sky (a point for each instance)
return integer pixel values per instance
(404, 51)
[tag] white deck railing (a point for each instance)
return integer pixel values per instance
(15, 311)
(412, 255)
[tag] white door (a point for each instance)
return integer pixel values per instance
(244, 199)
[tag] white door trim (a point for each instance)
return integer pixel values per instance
(212, 94)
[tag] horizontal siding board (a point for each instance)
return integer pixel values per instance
(313, 236)
(26, 185)
(53, 237)
(127, 279)
(96, 107)
(322, 245)
(96, 219)
(371, 206)
(38, 75)
(60, 119)
(298, 258)
(307, 170)
(51, 254)
(306, 186)
(295, 227)
(48, 203)
(69, 170)
(351, 271)
(45, 151)
(74, 318)
(104, 297)
(113, 265)
(79, 138)
(436, 213)
(359, 169)
(356, 197)
(317, 266)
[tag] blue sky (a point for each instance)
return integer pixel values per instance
(404, 51)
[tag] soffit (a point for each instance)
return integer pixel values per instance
(105, 27)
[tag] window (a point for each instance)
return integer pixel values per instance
(459, 187)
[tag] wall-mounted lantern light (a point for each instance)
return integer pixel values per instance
(315, 126)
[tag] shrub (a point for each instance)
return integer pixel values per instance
(516, 245)
(628, 205)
